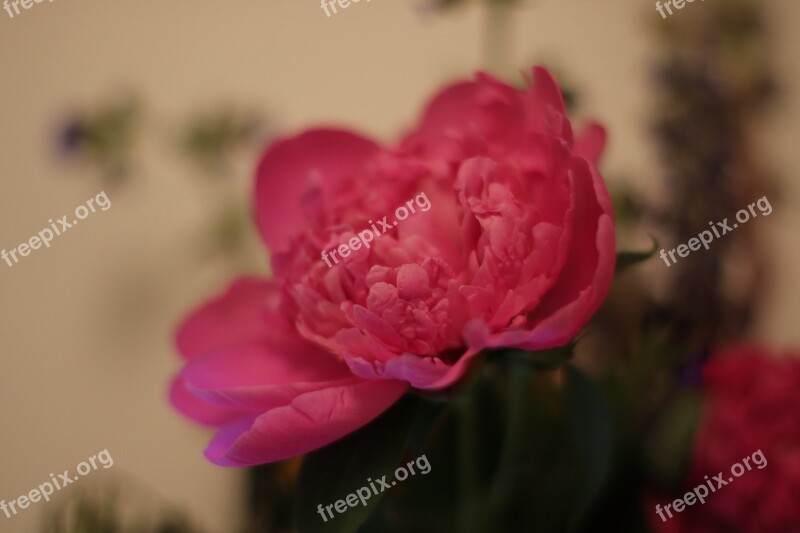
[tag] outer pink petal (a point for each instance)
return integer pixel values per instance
(453, 109)
(291, 168)
(310, 421)
(564, 323)
(426, 373)
(590, 142)
(593, 254)
(239, 314)
(418, 371)
(584, 280)
(259, 376)
(545, 92)
(197, 409)
(468, 111)
(545, 106)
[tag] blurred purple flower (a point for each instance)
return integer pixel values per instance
(70, 137)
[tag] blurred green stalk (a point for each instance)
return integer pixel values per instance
(497, 36)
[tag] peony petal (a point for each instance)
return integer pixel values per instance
(310, 421)
(259, 376)
(425, 373)
(325, 158)
(198, 409)
(465, 112)
(545, 107)
(240, 314)
(439, 225)
(545, 91)
(590, 142)
(455, 372)
(590, 263)
(418, 371)
(453, 109)
(584, 280)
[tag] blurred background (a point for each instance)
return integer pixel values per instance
(166, 107)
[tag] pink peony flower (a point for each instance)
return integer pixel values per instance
(516, 250)
(751, 400)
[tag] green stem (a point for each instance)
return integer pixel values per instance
(497, 36)
(469, 501)
(517, 420)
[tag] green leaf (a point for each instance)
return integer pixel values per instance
(626, 260)
(341, 468)
(590, 429)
